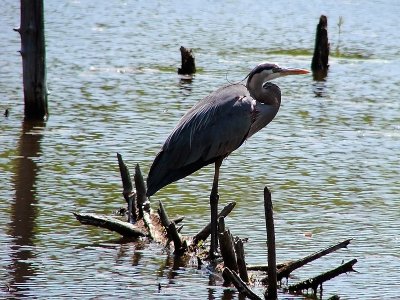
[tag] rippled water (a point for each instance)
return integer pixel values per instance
(331, 157)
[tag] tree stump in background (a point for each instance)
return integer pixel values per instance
(319, 64)
(33, 59)
(188, 66)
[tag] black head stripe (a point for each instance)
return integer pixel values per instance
(262, 67)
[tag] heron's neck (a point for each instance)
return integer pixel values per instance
(268, 101)
(267, 96)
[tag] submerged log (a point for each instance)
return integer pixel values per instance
(319, 64)
(188, 66)
(123, 228)
(317, 281)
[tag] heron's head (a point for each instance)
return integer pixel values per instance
(267, 71)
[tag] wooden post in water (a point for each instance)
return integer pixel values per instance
(319, 64)
(33, 59)
(188, 66)
(272, 290)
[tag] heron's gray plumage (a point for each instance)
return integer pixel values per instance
(212, 129)
(216, 126)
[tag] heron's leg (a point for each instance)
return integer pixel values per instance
(214, 197)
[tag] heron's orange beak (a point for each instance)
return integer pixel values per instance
(285, 72)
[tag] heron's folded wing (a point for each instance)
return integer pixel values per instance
(210, 131)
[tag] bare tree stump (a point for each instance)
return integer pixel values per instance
(188, 65)
(33, 54)
(272, 290)
(319, 64)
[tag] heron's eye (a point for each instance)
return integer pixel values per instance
(276, 70)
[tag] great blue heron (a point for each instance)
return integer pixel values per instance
(216, 126)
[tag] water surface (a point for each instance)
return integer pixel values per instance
(331, 156)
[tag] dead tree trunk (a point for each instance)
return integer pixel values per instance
(188, 65)
(33, 59)
(319, 64)
(272, 290)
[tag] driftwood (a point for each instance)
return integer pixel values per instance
(206, 231)
(289, 268)
(241, 286)
(188, 66)
(155, 226)
(264, 268)
(127, 189)
(313, 283)
(227, 247)
(123, 228)
(241, 260)
(162, 229)
(142, 203)
(172, 232)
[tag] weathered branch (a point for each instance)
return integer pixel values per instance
(232, 276)
(313, 283)
(241, 261)
(206, 231)
(178, 220)
(149, 226)
(123, 228)
(272, 290)
(163, 215)
(285, 271)
(226, 246)
(140, 192)
(264, 268)
(172, 232)
(127, 191)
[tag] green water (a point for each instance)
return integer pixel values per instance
(331, 156)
